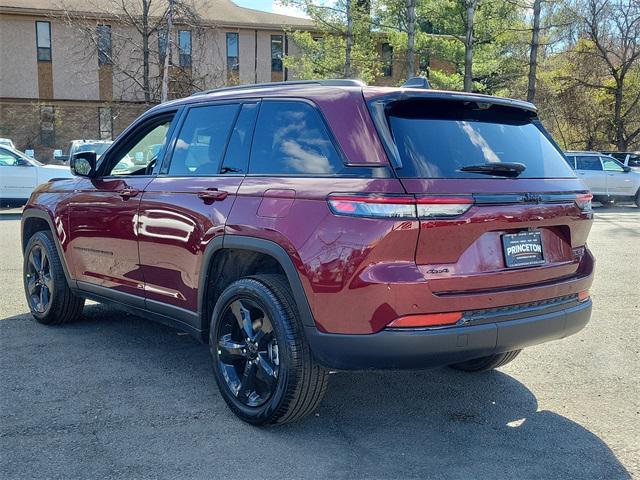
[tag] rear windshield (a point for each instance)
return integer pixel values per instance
(435, 139)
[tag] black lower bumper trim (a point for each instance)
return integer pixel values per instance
(424, 348)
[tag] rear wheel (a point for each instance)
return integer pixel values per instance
(261, 361)
(489, 362)
(50, 299)
(637, 199)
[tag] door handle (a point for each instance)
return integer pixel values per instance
(212, 194)
(128, 193)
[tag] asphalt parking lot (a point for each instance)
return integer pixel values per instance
(115, 396)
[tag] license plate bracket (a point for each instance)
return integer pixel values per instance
(523, 249)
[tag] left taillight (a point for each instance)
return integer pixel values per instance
(583, 201)
(398, 206)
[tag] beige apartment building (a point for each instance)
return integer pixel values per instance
(73, 69)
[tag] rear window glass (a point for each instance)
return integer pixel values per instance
(436, 139)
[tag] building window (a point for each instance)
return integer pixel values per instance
(184, 47)
(104, 45)
(47, 125)
(105, 121)
(387, 60)
(276, 53)
(43, 41)
(233, 65)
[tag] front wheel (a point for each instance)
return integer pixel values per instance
(489, 362)
(261, 361)
(50, 299)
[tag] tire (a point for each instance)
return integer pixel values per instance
(483, 364)
(61, 304)
(637, 199)
(286, 386)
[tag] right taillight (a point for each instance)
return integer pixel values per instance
(399, 206)
(583, 201)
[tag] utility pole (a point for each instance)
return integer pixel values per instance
(164, 94)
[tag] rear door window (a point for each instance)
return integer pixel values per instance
(435, 139)
(588, 163)
(202, 140)
(291, 139)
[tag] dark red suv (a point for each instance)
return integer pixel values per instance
(312, 225)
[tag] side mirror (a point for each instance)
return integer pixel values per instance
(83, 164)
(626, 169)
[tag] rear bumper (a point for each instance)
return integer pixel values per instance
(433, 347)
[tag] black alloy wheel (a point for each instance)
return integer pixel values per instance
(50, 299)
(262, 362)
(248, 352)
(38, 279)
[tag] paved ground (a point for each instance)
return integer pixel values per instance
(116, 396)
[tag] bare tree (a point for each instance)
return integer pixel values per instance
(136, 27)
(613, 28)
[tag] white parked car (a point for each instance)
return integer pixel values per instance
(7, 142)
(609, 180)
(20, 175)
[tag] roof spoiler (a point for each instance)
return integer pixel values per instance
(417, 82)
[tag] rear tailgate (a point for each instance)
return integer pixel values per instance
(442, 148)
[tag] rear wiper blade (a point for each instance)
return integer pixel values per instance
(497, 168)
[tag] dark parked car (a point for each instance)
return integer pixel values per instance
(313, 225)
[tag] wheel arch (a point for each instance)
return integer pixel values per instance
(35, 220)
(258, 250)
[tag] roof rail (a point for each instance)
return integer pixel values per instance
(338, 82)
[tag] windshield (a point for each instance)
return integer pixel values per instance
(99, 148)
(437, 139)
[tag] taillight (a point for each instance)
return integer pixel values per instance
(445, 206)
(399, 206)
(376, 206)
(583, 201)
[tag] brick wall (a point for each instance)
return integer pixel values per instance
(21, 122)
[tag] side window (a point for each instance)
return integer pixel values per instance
(139, 158)
(7, 159)
(202, 140)
(611, 165)
(588, 163)
(571, 160)
(236, 159)
(291, 139)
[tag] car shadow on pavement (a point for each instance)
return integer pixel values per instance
(116, 395)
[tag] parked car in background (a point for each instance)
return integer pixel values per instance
(20, 175)
(607, 178)
(77, 146)
(7, 142)
(628, 159)
(305, 226)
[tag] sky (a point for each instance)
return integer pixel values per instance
(270, 6)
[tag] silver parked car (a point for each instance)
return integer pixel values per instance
(609, 180)
(628, 159)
